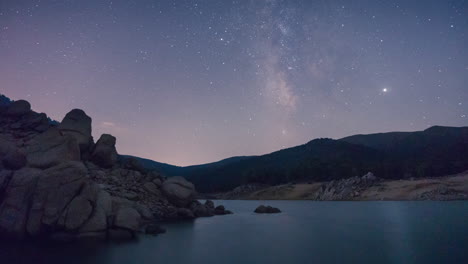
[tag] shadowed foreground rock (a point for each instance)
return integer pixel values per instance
(55, 183)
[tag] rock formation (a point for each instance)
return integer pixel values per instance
(345, 189)
(267, 210)
(104, 153)
(55, 183)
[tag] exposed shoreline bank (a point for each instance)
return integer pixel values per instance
(447, 188)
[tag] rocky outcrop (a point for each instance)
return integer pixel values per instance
(220, 210)
(14, 160)
(127, 218)
(241, 191)
(345, 189)
(104, 153)
(267, 210)
(51, 148)
(78, 125)
(56, 184)
(178, 190)
(19, 108)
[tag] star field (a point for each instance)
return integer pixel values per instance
(189, 82)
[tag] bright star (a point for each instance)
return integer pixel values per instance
(384, 90)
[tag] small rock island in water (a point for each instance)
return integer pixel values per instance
(267, 210)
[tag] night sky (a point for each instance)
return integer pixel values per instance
(188, 82)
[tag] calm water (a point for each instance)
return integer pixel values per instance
(306, 232)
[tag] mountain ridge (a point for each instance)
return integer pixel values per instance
(395, 155)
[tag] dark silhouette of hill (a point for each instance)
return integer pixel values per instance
(436, 151)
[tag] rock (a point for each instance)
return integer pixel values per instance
(78, 125)
(178, 190)
(144, 211)
(131, 163)
(158, 182)
(267, 210)
(14, 160)
(369, 177)
(200, 210)
(19, 108)
(97, 221)
(184, 213)
(209, 204)
(104, 201)
(152, 188)
(5, 177)
(154, 229)
(78, 212)
(90, 191)
(345, 189)
(17, 201)
(7, 145)
(51, 148)
(129, 195)
(127, 218)
(220, 210)
(118, 202)
(54, 192)
(104, 153)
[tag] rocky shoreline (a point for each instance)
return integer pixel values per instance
(56, 183)
(364, 188)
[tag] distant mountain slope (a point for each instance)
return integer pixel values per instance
(435, 151)
(172, 170)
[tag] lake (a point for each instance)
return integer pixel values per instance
(306, 232)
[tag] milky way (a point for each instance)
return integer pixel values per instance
(189, 82)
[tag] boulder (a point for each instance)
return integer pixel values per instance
(54, 192)
(184, 213)
(97, 221)
(178, 190)
(151, 188)
(51, 148)
(209, 204)
(220, 210)
(17, 201)
(267, 210)
(131, 163)
(104, 153)
(158, 182)
(369, 177)
(14, 160)
(144, 211)
(127, 218)
(78, 125)
(5, 177)
(19, 108)
(104, 201)
(201, 210)
(78, 212)
(7, 145)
